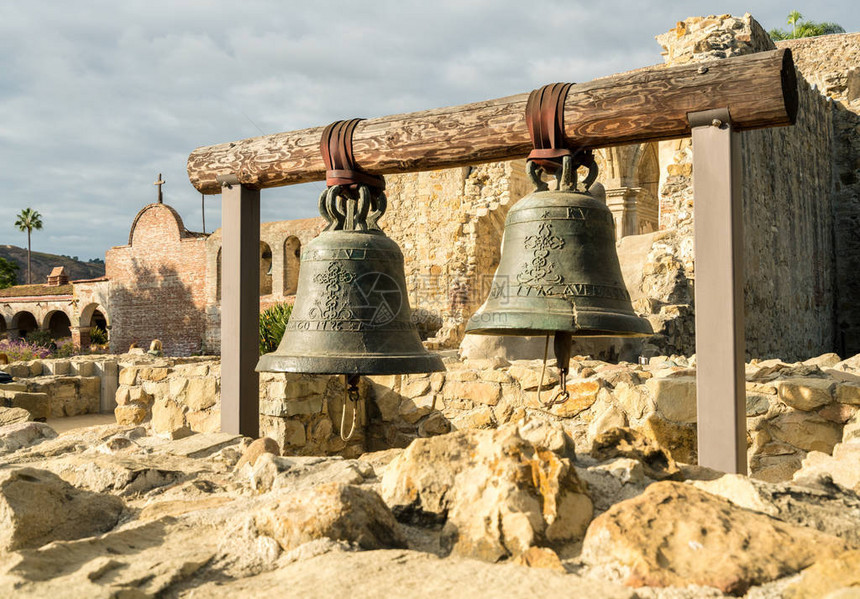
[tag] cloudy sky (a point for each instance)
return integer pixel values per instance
(98, 97)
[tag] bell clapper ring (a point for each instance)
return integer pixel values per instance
(350, 395)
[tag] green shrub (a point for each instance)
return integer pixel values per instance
(98, 336)
(40, 338)
(65, 350)
(273, 322)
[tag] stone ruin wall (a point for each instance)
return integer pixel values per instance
(451, 238)
(792, 409)
(790, 264)
(832, 63)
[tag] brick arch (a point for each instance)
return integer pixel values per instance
(23, 322)
(54, 323)
(3, 327)
(86, 318)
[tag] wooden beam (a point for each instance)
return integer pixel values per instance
(640, 106)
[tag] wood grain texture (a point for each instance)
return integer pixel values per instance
(640, 106)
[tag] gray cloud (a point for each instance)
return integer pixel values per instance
(95, 102)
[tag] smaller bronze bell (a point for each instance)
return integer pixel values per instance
(351, 314)
(559, 272)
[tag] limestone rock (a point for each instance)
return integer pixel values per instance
(805, 393)
(336, 511)
(37, 507)
(805, 431)
(633, 400)
(256, 449)
(627, 443)
(130, 414)
(675, 398)
(168, 418)
(823, 507)
(540, 557)
(676, 535)
(13, 416)
(497, 493)
(23, 434)
(413, 574)
(827, 577)
(843, 467)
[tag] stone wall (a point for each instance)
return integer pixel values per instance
(792, 408)
(789, 276)
(831, 64)
(58, 388)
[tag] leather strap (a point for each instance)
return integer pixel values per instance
(545, 120)
(336, 150)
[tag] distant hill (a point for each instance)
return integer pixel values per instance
(43, 264)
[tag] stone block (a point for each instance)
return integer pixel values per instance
(38, 404)
(806, 431)
(202, 393)
(130, 414)
(388, 403)
(529, 377)
(87, 368)
(415, 387)
(36, 367)
(757, 404)
(200, 445)
(206, 421)
(177, 389)
(139, 395)
(582, 395)
(298, 407)
(437, 379)
(674, 398)
(18, 371)
(302, 386)
(158, 390)
(154, 374)
(414, 409)
(123, 396)
(461, 375)
(481, 417)
(127, 376)
(286, 432)
(838, 413)
(61, 367)
(90, 386)
(168, 417)
(848, 393)
(805, 393)
(495, 376)
(482, 392)
(679, 439)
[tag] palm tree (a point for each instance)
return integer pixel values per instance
(793, 19)
(28, 220)
(803, 28)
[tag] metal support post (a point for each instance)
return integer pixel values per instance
(240, 308)
(720, 347)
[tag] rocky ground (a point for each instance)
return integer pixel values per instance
(114, 511)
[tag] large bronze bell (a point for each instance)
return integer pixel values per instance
(351, 314)
(559, 272)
